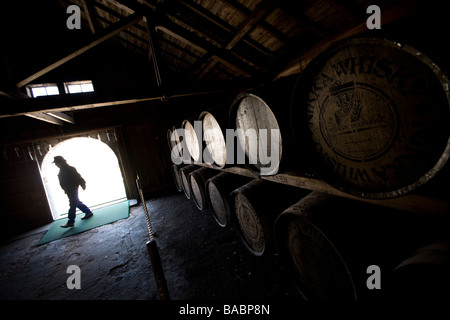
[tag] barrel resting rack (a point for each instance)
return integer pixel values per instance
(411, 202)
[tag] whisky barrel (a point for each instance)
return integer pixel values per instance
(327, 244)
(198, 180)
(316, 266)
(177, 149)
(372, 117)
(214, 125)
(218, 194)
(174, 140)
(184, 174)
(256, 205)
(260, 117)
(193, 142)
(425, 273)
(175, 169)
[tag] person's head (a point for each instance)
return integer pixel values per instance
(59, 161)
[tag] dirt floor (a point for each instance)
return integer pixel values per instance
(201, 260)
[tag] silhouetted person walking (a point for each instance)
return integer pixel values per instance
(70, 179)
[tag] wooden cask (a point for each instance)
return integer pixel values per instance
(214, 125)
(175, 169)
(198, 180)
(174, 141)
(193, 142)
(316, 266)
(184, 174)
(371, 117)
(260, 117)
(424, 274)
(256, 205)
(177, 150)
(218, 192)
(327, 244)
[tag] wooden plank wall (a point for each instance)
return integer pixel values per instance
(23, 202)
(146, 146)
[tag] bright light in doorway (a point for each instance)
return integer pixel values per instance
(96, 163)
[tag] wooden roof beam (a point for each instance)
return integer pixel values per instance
(182, 39)
(155, 54)
(62, 116)
(51, 105)
(89, 11)
(310, 25)
(255, 17)
(206, 14)
(121, 6)
(205, 47)
(46, 118)
(105, 35)
(398, 12)
(164, 24)
(54, 117)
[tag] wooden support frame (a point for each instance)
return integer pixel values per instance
(166, 25)
(62, 116)
(46, 118)
(255, 17)
(411, 202)
(155, 53)
(90, 15)
(110, 32)
(54, 104)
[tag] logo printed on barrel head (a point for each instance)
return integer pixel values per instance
(358, 121)
(376, 117)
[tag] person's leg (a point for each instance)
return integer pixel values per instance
(84, 208)
(73, 201)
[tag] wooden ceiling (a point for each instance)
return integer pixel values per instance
(206, 41)
(224, 39)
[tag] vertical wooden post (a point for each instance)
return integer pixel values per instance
(155, 54)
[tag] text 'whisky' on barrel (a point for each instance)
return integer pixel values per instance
(372, 117)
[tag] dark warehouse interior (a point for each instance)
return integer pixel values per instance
(355, 188)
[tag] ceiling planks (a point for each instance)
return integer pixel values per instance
(213, 40)
(197, 38)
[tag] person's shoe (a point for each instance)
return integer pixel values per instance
(68, 225)
(87, 215)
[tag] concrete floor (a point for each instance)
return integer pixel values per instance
(201, 260)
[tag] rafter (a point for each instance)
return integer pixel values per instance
(46, 118)
(155, 53)
(395, 13)
(202, 45)
(89, 11)
(52, 105)
(62, 116)
(165, 24)
(108, 33)
(257, 15)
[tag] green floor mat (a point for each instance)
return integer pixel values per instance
(101, 217)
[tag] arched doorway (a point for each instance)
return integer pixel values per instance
(97, 164)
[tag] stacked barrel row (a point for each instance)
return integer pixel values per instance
(371, 118)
